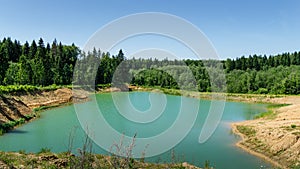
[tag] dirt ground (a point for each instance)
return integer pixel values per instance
(15, 106)
(276, 138)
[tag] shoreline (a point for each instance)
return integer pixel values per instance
(282, 112)
(65, 96)
(274, 138)
(249, 150)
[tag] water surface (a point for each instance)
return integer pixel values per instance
(52, 130)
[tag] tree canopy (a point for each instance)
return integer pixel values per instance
(41, 64)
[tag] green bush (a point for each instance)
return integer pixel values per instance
(293, 126)
(262, 91)
(17, 88)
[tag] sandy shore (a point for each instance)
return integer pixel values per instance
(274, 138)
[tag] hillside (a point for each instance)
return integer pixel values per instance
(18, 107)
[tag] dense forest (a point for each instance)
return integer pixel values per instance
(41, 64)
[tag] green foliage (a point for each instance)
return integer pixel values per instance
(5, 127)
(37, 109)
(44, 150)
(246, 130)
(269, 114)
(36, 64)
(295, 167)
(42, 64)
(17, 88)
(293, 126)
(277, 105)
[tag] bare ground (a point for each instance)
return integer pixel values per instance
(15, 106)
(276, 138)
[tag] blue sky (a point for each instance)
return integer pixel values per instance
(234, 27)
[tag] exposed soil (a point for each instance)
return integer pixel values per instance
(276, 138)
(18, 105)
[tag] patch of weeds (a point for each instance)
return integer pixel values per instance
(37, 109)
(246, 130)
(277, 105)
(293, 126)
(269, 114)
(44, 150)
(295, 166)
(6, 158)
(121, 156)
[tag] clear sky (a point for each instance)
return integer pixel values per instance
(235, 27)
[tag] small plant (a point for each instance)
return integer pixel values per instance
(293, 126)
(122, 156)
(44, 150)
(207, 165)
(85, 158)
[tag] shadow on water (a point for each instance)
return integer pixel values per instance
(16, 131)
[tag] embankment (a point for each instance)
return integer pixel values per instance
(274, 137)
(20, 105)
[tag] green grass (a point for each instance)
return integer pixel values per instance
(270, 114)
(65, 161)
(246, 130)
(26, 88)
(271, 106)
(44, 150)
(5, 127)
(38, 109)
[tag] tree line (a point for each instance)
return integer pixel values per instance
(36, 63)
(43, 64)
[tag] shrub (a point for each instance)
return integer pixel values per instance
(262, 91)
(293, 126)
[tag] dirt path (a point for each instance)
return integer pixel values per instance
(276, 138)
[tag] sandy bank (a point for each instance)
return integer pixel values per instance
(18, 105)
(274, 138)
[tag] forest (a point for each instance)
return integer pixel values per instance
(43, 64)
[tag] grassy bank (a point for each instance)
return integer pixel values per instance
(5, 127)
(66, 160)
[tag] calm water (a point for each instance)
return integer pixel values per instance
(53, 130)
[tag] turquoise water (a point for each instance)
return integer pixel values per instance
(52, 130)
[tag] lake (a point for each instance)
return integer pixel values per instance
(52, 130)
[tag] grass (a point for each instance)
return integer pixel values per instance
(271, 106)
(270, 114)
(10, 89)
(38, 109)
(5, 127)
(246, 130)
(44, 150)
(63, 161)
